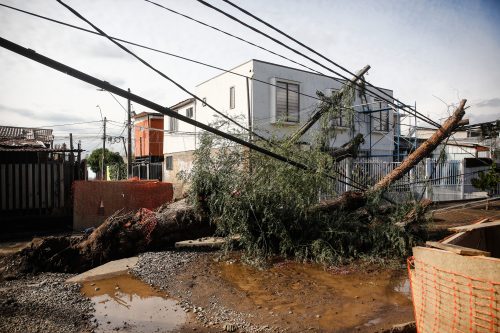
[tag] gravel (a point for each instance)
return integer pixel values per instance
(159, 270)
(44, 303)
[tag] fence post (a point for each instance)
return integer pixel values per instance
(348, 172)
(428, 176)
(462, 179)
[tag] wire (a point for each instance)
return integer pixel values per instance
(163, 75)
(430, 121)
(157, 71)
(272, 52)
(72, 124)
(174, 55)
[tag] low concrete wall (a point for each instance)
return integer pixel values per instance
(94, 201)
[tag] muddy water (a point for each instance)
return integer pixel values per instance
(126, 304)
(308, 297)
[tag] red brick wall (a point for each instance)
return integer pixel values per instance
(115, 195)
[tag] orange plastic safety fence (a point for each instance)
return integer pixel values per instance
(446, 301)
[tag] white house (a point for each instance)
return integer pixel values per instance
(275, 101)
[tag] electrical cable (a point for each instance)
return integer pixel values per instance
(320, 55)
(421, 116)
(158, 71)
(175, 55)
(33, 55)
(163, 75)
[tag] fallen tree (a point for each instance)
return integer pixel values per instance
(123, 234)
(350, 200)
(274, 209)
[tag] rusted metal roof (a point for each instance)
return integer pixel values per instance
(26, 133)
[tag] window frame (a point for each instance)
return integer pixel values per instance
(383, 122)
(169, 163)
(173, 125)
(232, 97)
(190, 112)
(286, 117)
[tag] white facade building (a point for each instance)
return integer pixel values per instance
(275, 102)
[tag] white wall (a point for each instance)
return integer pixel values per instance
(184, 138)
(262, 106)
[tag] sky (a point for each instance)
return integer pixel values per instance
(430, 53)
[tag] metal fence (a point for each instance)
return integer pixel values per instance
(37, 188)
(148, 170)
(430, 179)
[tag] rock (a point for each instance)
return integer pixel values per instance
(228, 327)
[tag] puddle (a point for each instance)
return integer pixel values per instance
(323, 300)
(126, 304)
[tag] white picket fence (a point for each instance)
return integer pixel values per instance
(438, 181)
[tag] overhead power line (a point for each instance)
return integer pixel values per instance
(31, 54)
(361, 85)
(175, 55)
(158, 71)
(320, 55)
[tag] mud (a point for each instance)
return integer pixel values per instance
(297, 297)
(126, 304)
(313, 297)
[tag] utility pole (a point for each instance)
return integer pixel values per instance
(103, 167)
(129, 142)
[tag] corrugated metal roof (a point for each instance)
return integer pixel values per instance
(27, 133)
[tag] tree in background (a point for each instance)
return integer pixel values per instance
(94, 161)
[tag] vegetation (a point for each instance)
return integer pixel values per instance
(269, 204)
(487, 181)
(94, 161)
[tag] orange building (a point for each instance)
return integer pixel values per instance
(148, 133)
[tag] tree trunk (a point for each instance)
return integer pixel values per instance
(424, 150)
(353, 200)
(121, 235)
(349, 149)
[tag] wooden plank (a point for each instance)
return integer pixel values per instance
(464, 251)
(43, 187)
(17, 187)
(457, 236)
(61, 185)
(475, 226)
(49, 184)
(30, 187)
(23, 186)
(10, 192)
(3, 188)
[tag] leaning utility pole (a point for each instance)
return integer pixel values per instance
(129, 142)
(103, 167)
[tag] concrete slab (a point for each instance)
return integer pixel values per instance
(112, 268)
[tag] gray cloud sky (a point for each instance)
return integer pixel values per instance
(417, 48)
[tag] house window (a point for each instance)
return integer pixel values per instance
(231, 97)
(169, 163)
(189, 112)
(173, 124)
(287, 102)
(380, 118)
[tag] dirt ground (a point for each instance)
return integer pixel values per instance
(444, 218)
